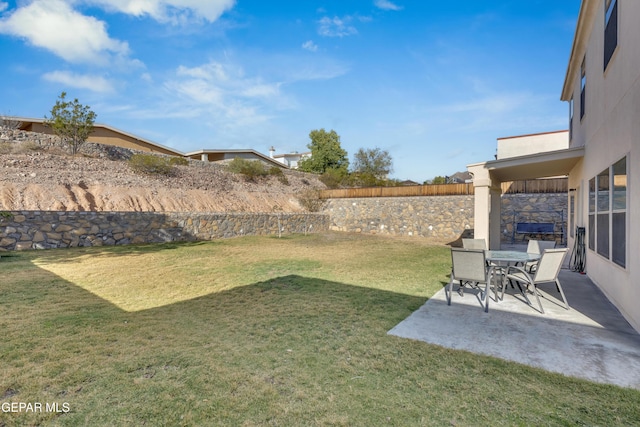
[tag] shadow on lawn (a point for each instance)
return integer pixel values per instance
(95, 350)
(245, 350)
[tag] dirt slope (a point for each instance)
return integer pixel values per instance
(42, 180)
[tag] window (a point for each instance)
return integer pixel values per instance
(571, 119)
(610, 30)
(619, 213)
(583, 87)
(572, 212)
(592, 214)
(608, 213)
(602, 213)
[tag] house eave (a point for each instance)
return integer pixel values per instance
(586, 17)
(532, 166)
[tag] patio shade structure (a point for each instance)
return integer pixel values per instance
(487, 177)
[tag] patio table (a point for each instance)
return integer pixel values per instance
(511, 257)
(501, 259)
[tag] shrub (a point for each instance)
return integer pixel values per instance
(311, 201)
(6, 147)
(150, 164)
(251, 169)
(278, 173)
(334, 178)
(178, 161)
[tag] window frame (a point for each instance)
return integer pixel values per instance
(571, 111)
(608, 202)
(611, 17)
(583, 88)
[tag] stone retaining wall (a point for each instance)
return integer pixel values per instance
(544, 207)
(21, 230)
(440, 217)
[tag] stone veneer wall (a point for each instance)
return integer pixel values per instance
(541, 207)
(438, 217)
(20, 230)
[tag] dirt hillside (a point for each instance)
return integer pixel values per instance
(35, 178)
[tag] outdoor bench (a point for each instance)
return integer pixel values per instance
(535, 228)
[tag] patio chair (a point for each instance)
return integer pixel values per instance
(537, 247)
(474, 244)
(469, 268)
(547, 271)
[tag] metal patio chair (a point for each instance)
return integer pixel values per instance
(538, 247)
(547, 271)
(474, 244)
(469, 268)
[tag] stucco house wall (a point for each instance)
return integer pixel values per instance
(521, 145)
(609, 132)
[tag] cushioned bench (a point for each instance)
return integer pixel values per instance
(535, 228)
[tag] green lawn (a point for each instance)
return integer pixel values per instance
(259, 331)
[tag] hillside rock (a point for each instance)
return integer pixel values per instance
(36, 176)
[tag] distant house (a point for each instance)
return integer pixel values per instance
(212, 155)
(459, 178)
(408, 182)
(601, 160)
(104, 134)
(108, 135)
(291, 160)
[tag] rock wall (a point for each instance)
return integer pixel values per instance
(543, 207)
(22, 230)
(441, 217)
(438, 217)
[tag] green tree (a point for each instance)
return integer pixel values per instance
(326, 153)
(372, 165)
(439, 180)
(71, 121)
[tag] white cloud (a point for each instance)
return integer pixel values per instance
(223, 95)
(336, 27)
(81, 81)
(169, 11)
(213, 82)
(55, 26)
(387, 5)
(310, 46)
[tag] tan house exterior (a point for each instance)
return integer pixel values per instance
(104, 134)
(212, 155)
(602, 87)
(108, 135)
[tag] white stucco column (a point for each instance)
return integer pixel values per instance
(204, 157)
(487, 206)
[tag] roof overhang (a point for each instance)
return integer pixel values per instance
(24, 121)
(255, 153)
(532, 166)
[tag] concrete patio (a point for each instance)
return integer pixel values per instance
(591, 340)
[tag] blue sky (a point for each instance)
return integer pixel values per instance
(434, 83)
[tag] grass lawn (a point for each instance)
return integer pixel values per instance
(259, 331)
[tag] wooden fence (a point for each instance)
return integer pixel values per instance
(555, 185)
